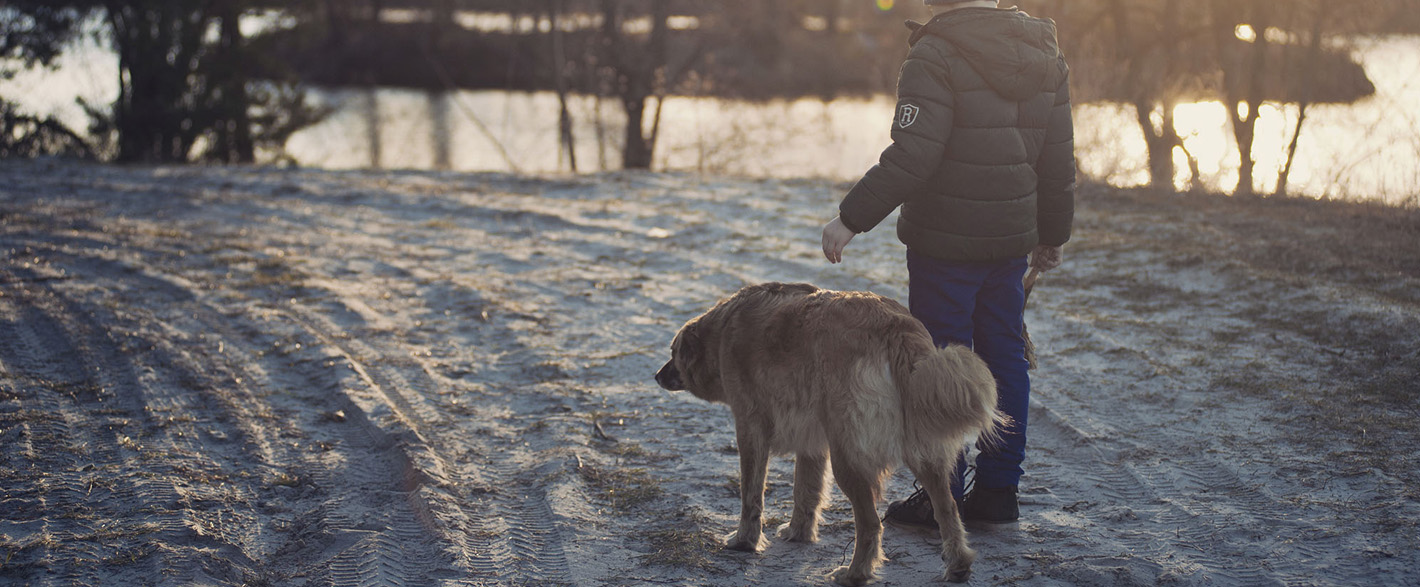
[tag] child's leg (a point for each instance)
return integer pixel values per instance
(998, 339)
(943, 296)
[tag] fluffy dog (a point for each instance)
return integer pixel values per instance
(847, 378)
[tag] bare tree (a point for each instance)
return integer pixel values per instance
(559, 72)
(1147, 46)
(1314, 71)
(185, 77)
(160, 49)
(1243, 74)
(1144, 53)
(232, 129)
(1320, 13)
(33, 34)
(1157, 54)
(1262, 61)
(635, 71)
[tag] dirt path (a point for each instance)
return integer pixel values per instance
(264, 377)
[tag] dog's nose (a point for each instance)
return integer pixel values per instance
(669, 377)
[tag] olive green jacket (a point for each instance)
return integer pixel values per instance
(982, 160)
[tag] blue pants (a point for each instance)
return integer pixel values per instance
(981, 305)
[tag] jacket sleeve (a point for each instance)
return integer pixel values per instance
(1055, 172)
(920, 130)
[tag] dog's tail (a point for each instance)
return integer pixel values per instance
(949, 392)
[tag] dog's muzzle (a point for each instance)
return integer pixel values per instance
(669, 377)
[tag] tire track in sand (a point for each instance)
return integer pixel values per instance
(1169, 479)
(68, 347)
(509, 535)
(508, 529)
(401, 550)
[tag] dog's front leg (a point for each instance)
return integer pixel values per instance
(754, 463)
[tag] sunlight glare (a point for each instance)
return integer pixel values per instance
(683, 23)
(1278, 36)
(1245, 32)
(1203, 128)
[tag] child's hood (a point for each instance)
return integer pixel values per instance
(1017, 54)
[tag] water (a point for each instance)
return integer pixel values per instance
(1367, 150)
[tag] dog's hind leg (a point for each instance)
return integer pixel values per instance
(862, 488)
(754, 464)
(933, 471)
(810, 469)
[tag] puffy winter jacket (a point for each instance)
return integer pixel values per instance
(982, 160)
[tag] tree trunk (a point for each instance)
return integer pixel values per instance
(1160, 143)
(1243, 87)
(636, 153)
(639, 73)
(833, 11)
(1127, 51)
(373, 135)
(441, 24)
(559, 57)
(439, 105)
(233, 140)
(1244, 133)
(1308, 85)
(157, 41)
(657, 76)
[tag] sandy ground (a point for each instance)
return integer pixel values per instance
(287, 377)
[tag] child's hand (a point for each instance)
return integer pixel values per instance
(1046, 258)
(835, 237)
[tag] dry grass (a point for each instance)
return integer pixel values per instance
(274, 271)
(1363, 243)
(686, 548)
(1364, 249)
(285, 479)
(622, 488)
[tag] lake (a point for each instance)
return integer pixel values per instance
(1366, 150)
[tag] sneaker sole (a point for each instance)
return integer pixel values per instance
(970, 525)
(986, 526)
(907, 526)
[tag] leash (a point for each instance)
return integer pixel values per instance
(1029, 283)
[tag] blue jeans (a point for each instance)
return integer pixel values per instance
(981, 305)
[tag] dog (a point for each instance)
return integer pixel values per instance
(847, 380)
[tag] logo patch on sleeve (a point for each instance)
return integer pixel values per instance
(906, 115)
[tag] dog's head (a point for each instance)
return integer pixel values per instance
(686, 370)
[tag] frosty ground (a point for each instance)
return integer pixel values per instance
(247, 376)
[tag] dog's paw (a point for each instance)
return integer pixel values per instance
(787, 532)
(848, 578)
(959, 567)
(746, 543)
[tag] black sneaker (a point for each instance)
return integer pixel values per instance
(991, 506)
(915, 512)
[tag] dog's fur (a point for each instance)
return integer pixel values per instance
(847, 378)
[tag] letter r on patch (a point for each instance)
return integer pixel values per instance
(906, 115)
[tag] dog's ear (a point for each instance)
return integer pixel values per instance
(695, 362)
(686, 343)
(687, 349)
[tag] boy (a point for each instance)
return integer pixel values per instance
(983, 165)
